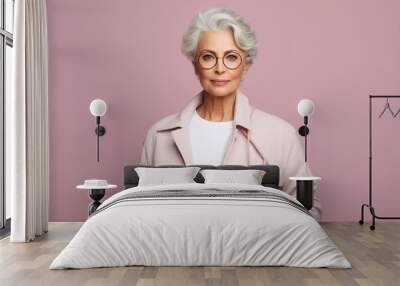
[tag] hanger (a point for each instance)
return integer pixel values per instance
(398, 111)
(387, 106)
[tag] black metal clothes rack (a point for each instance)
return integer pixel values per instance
(370, 205)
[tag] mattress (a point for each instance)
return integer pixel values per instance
(197, 224)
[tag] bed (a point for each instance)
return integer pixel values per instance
(201, 224)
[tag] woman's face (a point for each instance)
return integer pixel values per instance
(220, 43)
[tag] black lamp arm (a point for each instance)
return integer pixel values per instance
(303, 131)
(100, 131)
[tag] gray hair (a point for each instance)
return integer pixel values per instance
(215, 19)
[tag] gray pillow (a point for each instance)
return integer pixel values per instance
(161, 176)
(249, 177)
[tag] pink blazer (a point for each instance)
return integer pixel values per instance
(258, 138)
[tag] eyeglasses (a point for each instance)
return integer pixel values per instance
(208, 60)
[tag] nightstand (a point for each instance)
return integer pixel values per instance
(304, 190)
(96, 193)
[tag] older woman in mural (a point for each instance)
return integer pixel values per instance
(219, 126)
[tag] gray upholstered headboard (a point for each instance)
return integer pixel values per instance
(270, 179)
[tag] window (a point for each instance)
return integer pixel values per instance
(6, 62)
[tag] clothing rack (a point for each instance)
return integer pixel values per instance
(370, 205)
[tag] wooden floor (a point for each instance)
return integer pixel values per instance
(375, 257)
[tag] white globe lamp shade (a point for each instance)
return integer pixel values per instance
(305, 107)
(98, 107)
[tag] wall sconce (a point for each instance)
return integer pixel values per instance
(304, 185)
(98, 108)
(305, 109)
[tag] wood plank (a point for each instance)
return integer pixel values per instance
(374, 255)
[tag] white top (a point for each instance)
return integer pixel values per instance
(209, 139)
(304, 178)
(86, 187)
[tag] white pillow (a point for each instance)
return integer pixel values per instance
(161, 176)
(250, 176)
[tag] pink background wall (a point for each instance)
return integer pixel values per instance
(128, 53)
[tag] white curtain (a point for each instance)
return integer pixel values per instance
(27, 141)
